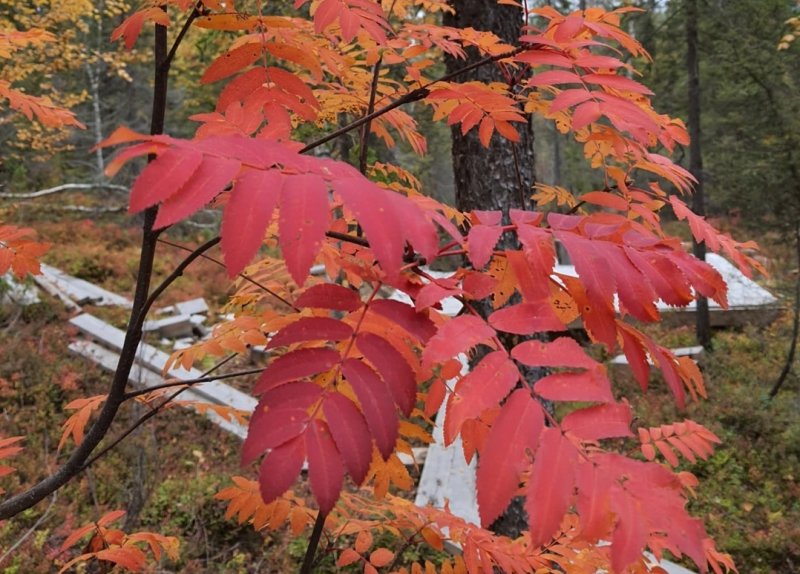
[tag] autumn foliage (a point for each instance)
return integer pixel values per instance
(356, 377)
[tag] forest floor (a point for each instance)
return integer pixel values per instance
(168, 471)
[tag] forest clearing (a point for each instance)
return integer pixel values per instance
(399, 286)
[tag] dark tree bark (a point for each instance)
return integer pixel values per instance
(498, 178)
(501, 176)
(702, 319)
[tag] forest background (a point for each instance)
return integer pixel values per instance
(749, 70)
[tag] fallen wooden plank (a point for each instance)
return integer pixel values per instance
(446, 476)
(143, 377)
(82, 292)
(172, 327)
(196, 306)
(48, 287)
(18, 293)
(679, 352)
(156, 360)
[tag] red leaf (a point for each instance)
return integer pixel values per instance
(163, 177)
(298, 395)
(456, 336)
(593, 502)
(588, 386)
(130, 558)
(325, 470)
(617, 82)
(394, 369)
(562, 352)
(585, 114)
(550, 486)
(351, 434)
(569, 28)
(389, 220)
(206, 182)
(630, 534)
(376, 402)
(540, 256)
(611, 420)
(303, 222)
(280, 468)
(480, 243)
(247, 216)
(554, 77)
(502, 459)
(271, 428)
(633, 348)
(526, 318)
(595, 61)
(311, 329)
(569, 98)
(416, 324)
(329, 296)
(296, 365)
(232, 62)
(486, 385)
(544, 58)
(605, 199)
(432, 293)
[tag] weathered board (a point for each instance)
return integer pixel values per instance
(82, 292)
(155, 359)
(143, 377)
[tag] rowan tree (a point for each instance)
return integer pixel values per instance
(354, 377)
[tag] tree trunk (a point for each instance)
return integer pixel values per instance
(498, 178)
(703, 321)
(789, 364)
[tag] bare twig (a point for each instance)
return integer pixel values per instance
(63, 187)
(189, 382)
(242, 275)
(412, 96)
(147, 416)
(30, 530)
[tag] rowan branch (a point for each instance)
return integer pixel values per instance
(412, 96)
(133, 335)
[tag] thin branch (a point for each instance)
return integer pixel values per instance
(179, 38)
(62, 187)
(789, 364)
(412, 96)
(242, 275)
(189, 382)
(146, 417)
(348, 238)
(30, 530)
(365, 129)
(176, 274)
